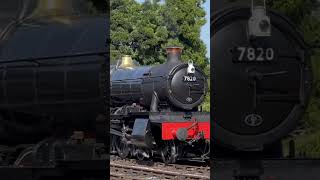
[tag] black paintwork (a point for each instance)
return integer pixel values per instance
(137, 85)
(63, 93)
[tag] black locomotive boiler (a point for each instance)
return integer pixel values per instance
(155, 109)
(262, 79)
(54, 79)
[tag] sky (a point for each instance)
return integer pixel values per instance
(205, 31)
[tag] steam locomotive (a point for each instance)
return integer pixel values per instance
(155, 110)
(262, 80)
(54, 82)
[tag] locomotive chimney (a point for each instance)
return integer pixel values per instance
(174, 54)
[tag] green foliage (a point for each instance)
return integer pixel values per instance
(144, 30)
(184, 20)
(206, 103)
(137, 30)
(311, 29)
(307, 146)
(295, 9)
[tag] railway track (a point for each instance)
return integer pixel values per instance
(137, 170)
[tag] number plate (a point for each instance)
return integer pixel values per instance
(249, 54)
(189, 78)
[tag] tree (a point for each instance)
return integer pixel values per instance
(297, 10)
(144, 30)
(137, 30)
(184, 20)
(150, 34)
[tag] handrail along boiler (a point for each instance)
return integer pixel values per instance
(154, 109)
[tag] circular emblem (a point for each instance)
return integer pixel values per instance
(253, 120)
(189, 99)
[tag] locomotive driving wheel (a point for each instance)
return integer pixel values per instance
(114, 144)
(122, 148)
(169, 152)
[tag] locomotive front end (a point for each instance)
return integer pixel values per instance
(187, 84)
(263, 79)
